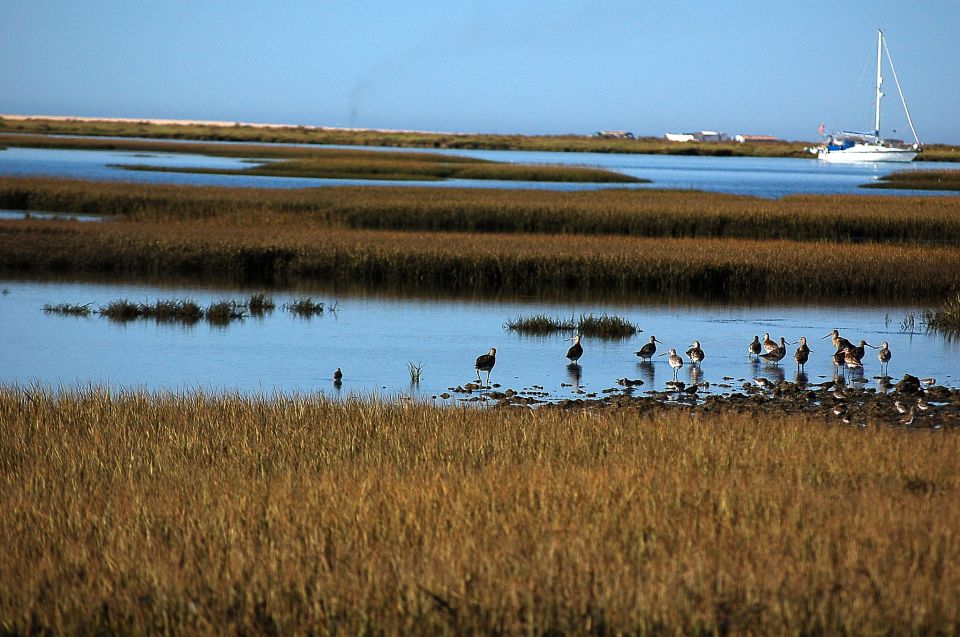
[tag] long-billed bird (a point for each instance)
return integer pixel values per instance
(860, 350)
(777, 353)
(649, 349)
(576, 350)
(485, 363)
(850, 359)
(838, 341)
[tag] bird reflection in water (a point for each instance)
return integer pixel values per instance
(575, 372)
(647, 372)
(801, 378)
(694, 373)
(774, 373)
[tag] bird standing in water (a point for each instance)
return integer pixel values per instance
(803, 353)
(676, 362)
(695, 353)
(768, 343)
(576, 350)
(338, 376)
(754, 348)
(649, 349)
(485, 363)
(776, 355)
(884, 355)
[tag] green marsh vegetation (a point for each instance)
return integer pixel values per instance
(603, 326)
(132, 513)
(945, 318)
(187, 311)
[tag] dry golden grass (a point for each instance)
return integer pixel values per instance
(258, 252)
(194, 514)
(626, 212)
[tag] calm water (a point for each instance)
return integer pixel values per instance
(762, 177)
(374, 338)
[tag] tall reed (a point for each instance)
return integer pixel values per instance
(192, 513)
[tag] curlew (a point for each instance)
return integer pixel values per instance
(576, 350)
(649, 349)
(485, 363)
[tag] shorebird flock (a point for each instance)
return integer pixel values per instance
(846, 356)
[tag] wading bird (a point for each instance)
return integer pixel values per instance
(777, 353)
(576, 350)
(838, 341)
(802, 353)
(754, 348)
(676, 362)
(337, 376)
(649, 349)
(860, 350)
(485, 363)
(884, 355)
(695, 354)
(850, 359)
(768, 343)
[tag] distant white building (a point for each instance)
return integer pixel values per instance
(615, 134)
(699, 136)
(755, 138)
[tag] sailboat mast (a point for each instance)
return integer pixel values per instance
(876, 128)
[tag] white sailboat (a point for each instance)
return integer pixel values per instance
(849, 147)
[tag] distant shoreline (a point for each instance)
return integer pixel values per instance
(213, 123)
(252, 132)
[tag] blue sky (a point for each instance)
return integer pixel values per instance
(771, 67)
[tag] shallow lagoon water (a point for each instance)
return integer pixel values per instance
(760, 177)
(373, 338)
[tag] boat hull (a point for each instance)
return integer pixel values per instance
(862, 153)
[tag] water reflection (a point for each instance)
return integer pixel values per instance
(693, 371)
(773, 373)
(647, 373)
(801, 378)
(574, 373)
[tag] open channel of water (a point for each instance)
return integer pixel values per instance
(373, 338)
(760, 177)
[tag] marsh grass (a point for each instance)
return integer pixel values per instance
(945, 318)
(415, 370)
(305, 307)
(68, 309)
(225, 311)
(126, 513)
(603, 326)
(459, 262)
(919, 180)
(645, 213)
(259, 304)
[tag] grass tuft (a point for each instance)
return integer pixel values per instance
(945, 318)
(68, 309)
(305, 307)
(603, 326)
